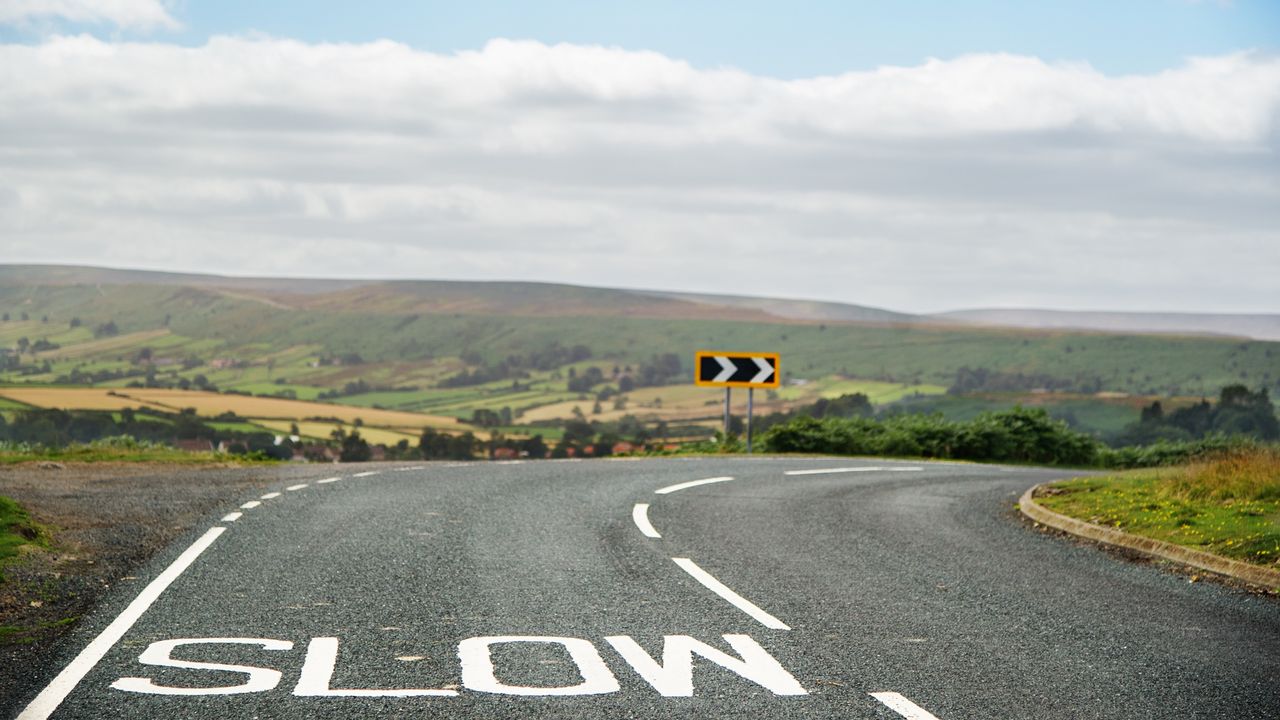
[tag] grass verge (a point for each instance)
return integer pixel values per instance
(16, 529)
(1228, 505)
(140, 453)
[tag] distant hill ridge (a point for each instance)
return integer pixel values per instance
(513, 298)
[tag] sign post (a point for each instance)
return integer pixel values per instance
(729, 370)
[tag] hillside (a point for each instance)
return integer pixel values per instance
(455, 348)
(1257, 327)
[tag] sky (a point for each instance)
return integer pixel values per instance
(914, 155)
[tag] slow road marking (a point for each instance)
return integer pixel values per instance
(732, 597)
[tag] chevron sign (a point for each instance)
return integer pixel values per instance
(737, 369)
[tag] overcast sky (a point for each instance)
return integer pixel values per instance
(917, 155)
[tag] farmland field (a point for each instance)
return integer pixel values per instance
(211, 405)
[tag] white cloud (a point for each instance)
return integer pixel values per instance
(128, 14)
(987, 179)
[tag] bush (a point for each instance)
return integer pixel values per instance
(1017, 435)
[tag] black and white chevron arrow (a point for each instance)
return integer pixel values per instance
(752, 370)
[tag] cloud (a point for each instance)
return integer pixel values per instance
(980, 180)
(128, 14)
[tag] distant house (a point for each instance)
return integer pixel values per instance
(623, 448)
(505, 453)
(222, 363)
(194, 445)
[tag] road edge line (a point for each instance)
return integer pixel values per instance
(66, 681)
(1260, 576)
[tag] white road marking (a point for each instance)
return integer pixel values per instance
(732, 597)
(673, 677)
(328, 480)
(903, 706)
(232, 517)
(317, 673)
(367, 474)
(478, 672)
(160, 653)
(271, 496)
(828, 471)
(411, 469)
(293, 488)
(52, 696)
(640, 516)
(251, 505)
(691, 483)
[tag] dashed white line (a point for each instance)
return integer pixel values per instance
(52, 696)
(732, 597)
(232, 517)
(640, 516)
(829, 471)
(251, 505)
(367, 474)
(293, 488)
(691, 483)
(271, 496)
(411, 469)
(328, 480)
(903, 706)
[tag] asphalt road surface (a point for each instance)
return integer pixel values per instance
(775, 588)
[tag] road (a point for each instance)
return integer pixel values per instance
(773, 588)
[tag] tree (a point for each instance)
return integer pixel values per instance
(75, 322)
(355, 448)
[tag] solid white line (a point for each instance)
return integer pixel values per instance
(692, 483)
(52, 696)
(328, 480)
(232, 517)
(271, 496)
(732, 597)
(367, 474)
(903, 706)
(292, 488)
(251, 505)
(904, 469)
(640, 516)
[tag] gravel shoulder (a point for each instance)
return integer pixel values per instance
(106, 521)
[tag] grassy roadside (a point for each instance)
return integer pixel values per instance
(1228, 505)
(16, 530)
(130, 452)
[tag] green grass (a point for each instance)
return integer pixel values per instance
(94, 453)
(1229, 506)
(16, 530)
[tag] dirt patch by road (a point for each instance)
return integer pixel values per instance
(106, 521)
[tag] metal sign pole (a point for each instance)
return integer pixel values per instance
(751, 396)
(727, 391)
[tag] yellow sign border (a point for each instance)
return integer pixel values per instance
(777, 369)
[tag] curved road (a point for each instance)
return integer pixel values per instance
(779, 588)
